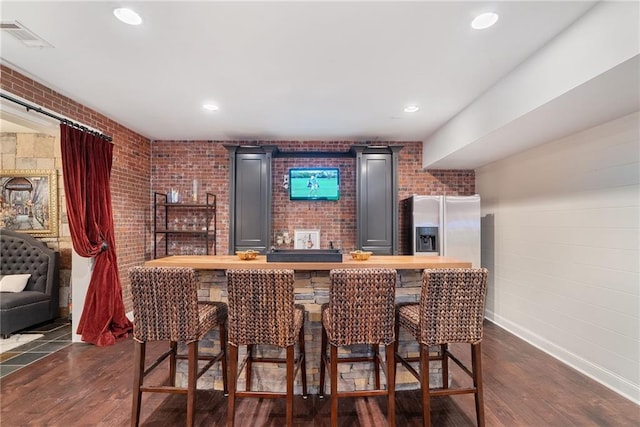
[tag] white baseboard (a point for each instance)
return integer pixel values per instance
(603, 376)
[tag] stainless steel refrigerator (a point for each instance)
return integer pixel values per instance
(443, 225)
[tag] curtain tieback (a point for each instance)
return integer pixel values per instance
(104, 246)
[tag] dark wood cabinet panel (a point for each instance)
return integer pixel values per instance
(250, 198)
(377, 199)
(377, 208)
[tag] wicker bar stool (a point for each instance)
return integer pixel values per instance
(166, 308)
(262, 311)
(451, 310)
(361, 310)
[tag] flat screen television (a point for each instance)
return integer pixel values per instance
(314, 183)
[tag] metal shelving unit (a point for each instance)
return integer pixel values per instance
(170, 223)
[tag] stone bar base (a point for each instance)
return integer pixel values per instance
(312, 290)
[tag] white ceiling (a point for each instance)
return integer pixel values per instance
(280, 70)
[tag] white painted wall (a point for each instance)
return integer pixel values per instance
(561, 240)
(605, 37)
(81, 271)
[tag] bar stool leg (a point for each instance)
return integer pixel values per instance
(138, 374)
(323, 367)
(444, 348)
(396, 343)
(391, 383)
(223, 349)
(191, 381)
(247, 371)
(233, 377)
(173, 346)
(333, 361)
(476, 366)
(290, 372)
(303, 361)
(424, 383)
(376, 364)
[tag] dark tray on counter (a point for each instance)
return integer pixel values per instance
(304, 255)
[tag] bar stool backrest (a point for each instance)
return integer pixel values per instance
(165, 304)
(452, 305)
(261, 307)
(362, 306)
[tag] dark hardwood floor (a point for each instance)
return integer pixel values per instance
(83, 385)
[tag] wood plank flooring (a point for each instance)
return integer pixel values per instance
(83, 385)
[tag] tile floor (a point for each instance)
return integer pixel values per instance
(57, 335)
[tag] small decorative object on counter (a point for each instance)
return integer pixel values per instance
(247, 255)
(360, 255)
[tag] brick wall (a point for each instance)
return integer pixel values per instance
(176, 163)
(130, 178)
(336, 220)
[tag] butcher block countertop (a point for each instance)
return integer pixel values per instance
(225, 262)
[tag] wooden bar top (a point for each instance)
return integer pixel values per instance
(224, 262)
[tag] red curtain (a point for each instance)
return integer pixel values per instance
(86, 167)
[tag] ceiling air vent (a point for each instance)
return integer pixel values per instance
(22, 33)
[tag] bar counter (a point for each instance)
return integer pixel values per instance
(311, 290)
(225, 262)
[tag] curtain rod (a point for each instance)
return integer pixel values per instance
(54, 116)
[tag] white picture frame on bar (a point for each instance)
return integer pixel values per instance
(306, 239)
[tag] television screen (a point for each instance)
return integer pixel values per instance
(314, 184)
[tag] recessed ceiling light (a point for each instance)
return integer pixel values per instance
(411, 108)
(210, 107)
(127, 16)
(484, 20)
